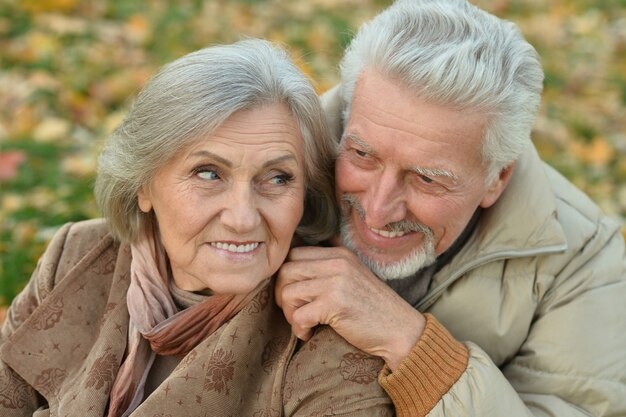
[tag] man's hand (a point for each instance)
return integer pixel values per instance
(331, 286)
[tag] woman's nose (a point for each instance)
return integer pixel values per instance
(241, 213)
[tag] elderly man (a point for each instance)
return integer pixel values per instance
(487, 282)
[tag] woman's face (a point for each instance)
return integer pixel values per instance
(227, 207)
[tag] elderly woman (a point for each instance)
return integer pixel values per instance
(167, 309)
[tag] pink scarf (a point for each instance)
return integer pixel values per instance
(156, 326)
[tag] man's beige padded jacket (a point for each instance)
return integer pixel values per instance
(537, 300)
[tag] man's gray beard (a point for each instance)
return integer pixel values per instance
(410, 265)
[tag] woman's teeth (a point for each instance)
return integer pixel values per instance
(249, 247)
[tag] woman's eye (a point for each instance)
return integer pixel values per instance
(208, 174)
(281, 179)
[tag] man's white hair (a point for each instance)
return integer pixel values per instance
(452, 53)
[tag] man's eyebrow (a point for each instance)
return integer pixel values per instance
(428, 172)
(360, 142)
(435, 172)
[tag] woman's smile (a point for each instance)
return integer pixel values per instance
(243, 248)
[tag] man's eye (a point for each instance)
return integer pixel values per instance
(426, 179)
(361, 153)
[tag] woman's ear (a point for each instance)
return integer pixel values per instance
(497, 186)
(143, 199)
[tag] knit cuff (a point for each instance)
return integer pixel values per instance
(436, 362)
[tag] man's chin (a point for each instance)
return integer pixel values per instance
(386, 264)
(392, 269)
(406, 267)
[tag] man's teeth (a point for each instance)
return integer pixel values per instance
(249, 247)
(386, 233)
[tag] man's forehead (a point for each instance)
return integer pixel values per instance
(382, 107)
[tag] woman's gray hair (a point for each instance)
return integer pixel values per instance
(452, 53)
(188, 99)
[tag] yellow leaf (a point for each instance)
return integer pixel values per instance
(113, 120)
(598, 152)
(12, 203)
(35, 46)
(84, 110)
(42, 198)
(80, 165)
(138, 29)
(117, 87)
(61, 24)
(51, 129)
(320, 38)
(23, 232)
(278, 37)
(39, 6)
(241, 19)
(23, 121)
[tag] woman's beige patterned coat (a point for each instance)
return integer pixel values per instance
(66, 333)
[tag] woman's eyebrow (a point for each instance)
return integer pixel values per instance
(212, 155)
(277, 160)
(228, 164)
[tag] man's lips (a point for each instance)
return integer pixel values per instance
(387, 233)
(377, 239)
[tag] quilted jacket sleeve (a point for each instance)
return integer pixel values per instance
(572, 363)
(16, 397)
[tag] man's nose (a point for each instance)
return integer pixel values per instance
(241, 213)
(384, 201)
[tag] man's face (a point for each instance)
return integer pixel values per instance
(409, 177)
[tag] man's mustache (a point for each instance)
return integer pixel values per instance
(404, 226)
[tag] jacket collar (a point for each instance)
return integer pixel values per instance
(523, 219)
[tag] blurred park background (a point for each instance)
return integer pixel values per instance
(70, 68)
